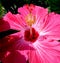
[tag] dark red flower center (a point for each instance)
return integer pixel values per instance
(31, 37)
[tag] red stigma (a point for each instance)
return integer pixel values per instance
(31, 38)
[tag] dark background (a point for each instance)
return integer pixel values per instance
(12, 5)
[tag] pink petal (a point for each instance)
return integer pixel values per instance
(24, 10)
(40, 15)
(14, 57)
(39, 12)
(45, 52)
(21, 44)
(15, 21)
(52, 26)
(12, 43)
(4, 25)
(6, 44)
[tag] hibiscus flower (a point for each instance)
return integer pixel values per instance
(39, 30)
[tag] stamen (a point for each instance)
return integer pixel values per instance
(30, 19)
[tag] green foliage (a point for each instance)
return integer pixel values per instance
(54, 5)
(2, 11)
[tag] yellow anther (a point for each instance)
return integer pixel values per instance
(30, 19)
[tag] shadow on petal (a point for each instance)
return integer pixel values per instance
(4, 25)
(14, 57)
